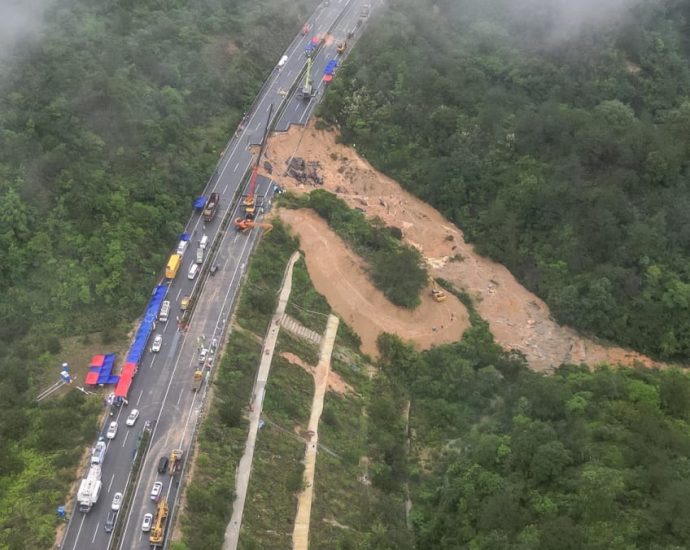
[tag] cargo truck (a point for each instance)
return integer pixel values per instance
(211, 207)
(89, 489)
(175, 461)
(173, 265)
(98, 453)
(198, 379)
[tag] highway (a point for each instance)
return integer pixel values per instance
(161, 390)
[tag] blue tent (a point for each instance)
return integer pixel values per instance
(146, 327)
(330, 68)
(200, 202)
(184, 237)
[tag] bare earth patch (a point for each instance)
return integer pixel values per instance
(338, 273)
(518, 319)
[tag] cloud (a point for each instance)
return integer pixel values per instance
(20, 20)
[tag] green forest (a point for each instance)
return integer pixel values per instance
(111, 121)
(502, 457)
(562, 153)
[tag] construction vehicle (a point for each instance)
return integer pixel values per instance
(211, 207)
(173, 265)
(308, 88)
(89, 489)
(175, 461)
(249, 202)
(436, 293)
(246, 225)
(198, 379)
(158, 529)
(342, 46)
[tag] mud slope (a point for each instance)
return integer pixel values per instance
(518, 319)
(338, 273)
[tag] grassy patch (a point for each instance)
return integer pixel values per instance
(306, 305)
(277, 470)
(305, 350)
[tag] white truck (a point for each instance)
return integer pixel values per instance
(181, 247)
(89, 489)
(199, 255)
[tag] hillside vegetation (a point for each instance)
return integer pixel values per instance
(503, 457)
(110, 123)
(562, 153)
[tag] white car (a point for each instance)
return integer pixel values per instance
(112, 430)
(156, 490)
(146, 524)
(132, 418)
(157, 343)
(117, 501)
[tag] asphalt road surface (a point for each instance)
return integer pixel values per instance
(161, 390)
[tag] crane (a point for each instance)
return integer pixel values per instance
(308, 88)
(249, 202)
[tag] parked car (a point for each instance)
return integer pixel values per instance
(213, 270)
(112, 430)
(117, 501)
(193, 270)
(163, 465)
(132, 418)
(157, 343)
(156, 490)
(146, 524)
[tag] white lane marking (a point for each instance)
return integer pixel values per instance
(225, 189)
(139, 398)
(235, 168)
(179, 397)
(76, 540)
(296, 106)
(288, 73)
(110, 485)
(95, 532)
(178, 294)
(125, 440)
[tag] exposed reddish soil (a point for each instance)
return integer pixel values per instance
(518, 319)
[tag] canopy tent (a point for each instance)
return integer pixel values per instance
(200, 202)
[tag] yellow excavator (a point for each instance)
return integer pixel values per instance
(243, 224)
(158, 529)
(436, 293)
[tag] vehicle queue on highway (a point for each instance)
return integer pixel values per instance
(148, 522)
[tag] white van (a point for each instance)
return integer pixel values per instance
(193, 270)
(282, 62)
(165, 309)
(203, 242)
(199, 255)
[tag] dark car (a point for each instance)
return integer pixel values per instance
(110, 521)
(213, 270)
(163, 465)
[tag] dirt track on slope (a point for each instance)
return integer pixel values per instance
(518, 319)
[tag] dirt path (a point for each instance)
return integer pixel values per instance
(232, 531)
(300, 533)
(518, 319)
(358, 302)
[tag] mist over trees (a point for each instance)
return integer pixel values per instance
(554, 135)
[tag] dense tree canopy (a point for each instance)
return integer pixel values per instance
(503, 457)
(563, 155)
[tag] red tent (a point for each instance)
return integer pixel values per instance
(97, 360)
